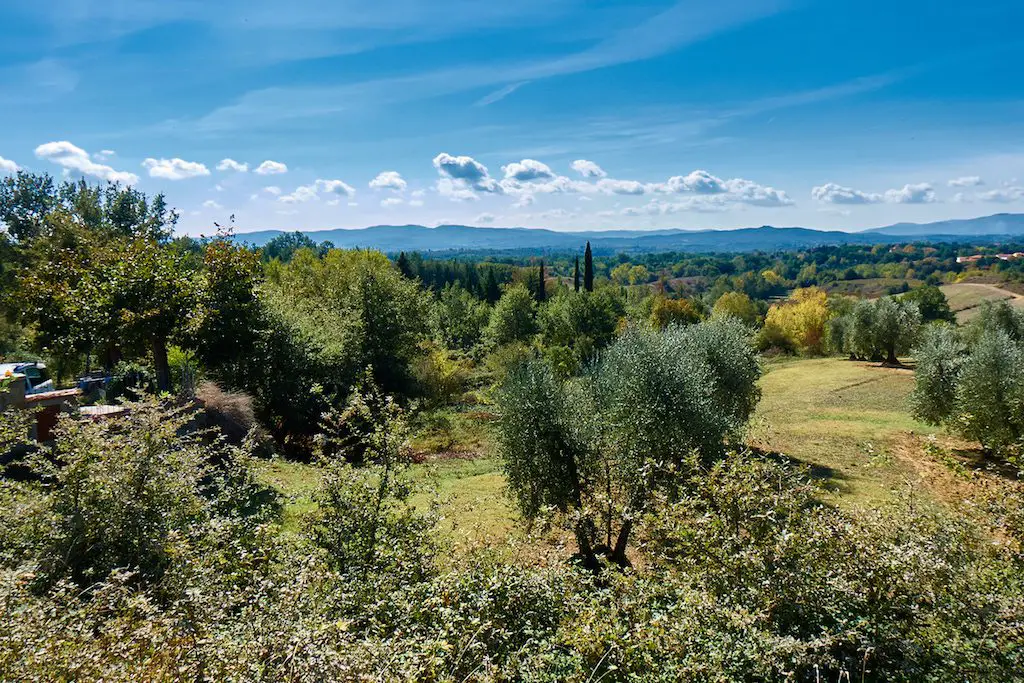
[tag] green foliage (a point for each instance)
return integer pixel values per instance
(876, 330)
(365, 520)
(739, 306)
(932, 303)
(513, 318)
(356, 310)
(939, 356)
(458, 318)
(284, 246)
(130, 494)
(581, 322)
(597, 449)
(441, 375)
(665, 312)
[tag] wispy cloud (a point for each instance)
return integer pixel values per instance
(683, 24)
(499, 94)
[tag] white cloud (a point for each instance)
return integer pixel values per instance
(389, 180)
(464, 173)
(418, 193)
(556, 214)
(269, 167)
(455, 190)
(8, 166)
(697, 182)
(174, 169)
(1003, 196)
(416, 202)
(734, 190)
(392, 201)
(918, 193)
(527, 170)
(966, 181)
(831, 193)
(232, 165)
(749, 192)
(74, 158)
(272, 189)
(104, 155)
(335, 187)
(698, 204)
(485, 219)
(588, 169)
(306, 193)
(524, 201)
(612, 186)
(210, 204)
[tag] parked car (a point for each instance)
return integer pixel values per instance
(37, 378)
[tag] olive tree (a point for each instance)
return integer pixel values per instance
(939, 358)
(973, 381)
(897, 324)
(601, 448)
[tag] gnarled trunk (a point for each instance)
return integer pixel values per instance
(160, 365)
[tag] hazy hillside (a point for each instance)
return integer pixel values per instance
(997, 224)
(391, 238)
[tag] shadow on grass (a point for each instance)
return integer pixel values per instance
(830, 476)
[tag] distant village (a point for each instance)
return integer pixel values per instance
(977, 257)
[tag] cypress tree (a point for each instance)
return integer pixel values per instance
(588, 269)
(576, 276)
(403, 265)
(542, 293)
(492, 292)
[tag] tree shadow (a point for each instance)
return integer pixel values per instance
(833, 478)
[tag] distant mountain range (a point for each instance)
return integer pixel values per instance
(447, 238)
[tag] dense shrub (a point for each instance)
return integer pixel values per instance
(747, 577)
(126, 494)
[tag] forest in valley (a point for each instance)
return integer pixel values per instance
(304, 463)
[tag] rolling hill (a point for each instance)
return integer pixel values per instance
(392, 238)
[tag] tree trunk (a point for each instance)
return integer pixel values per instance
(618, 555)
(160, 365)
(891, 359)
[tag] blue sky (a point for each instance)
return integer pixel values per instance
(564, 114)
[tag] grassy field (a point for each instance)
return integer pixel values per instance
(869, 288)
(966, 298)
(843, 419)
(848, 421)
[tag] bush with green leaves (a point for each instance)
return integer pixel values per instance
(513, 318)
(365, 520)
(458, 318)
(127, 494)
(747, 577)
(598, 448)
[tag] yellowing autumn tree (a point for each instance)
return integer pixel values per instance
(800, 321)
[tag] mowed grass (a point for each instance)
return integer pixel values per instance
(470, 494)
(966, 298)
(843, 419)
